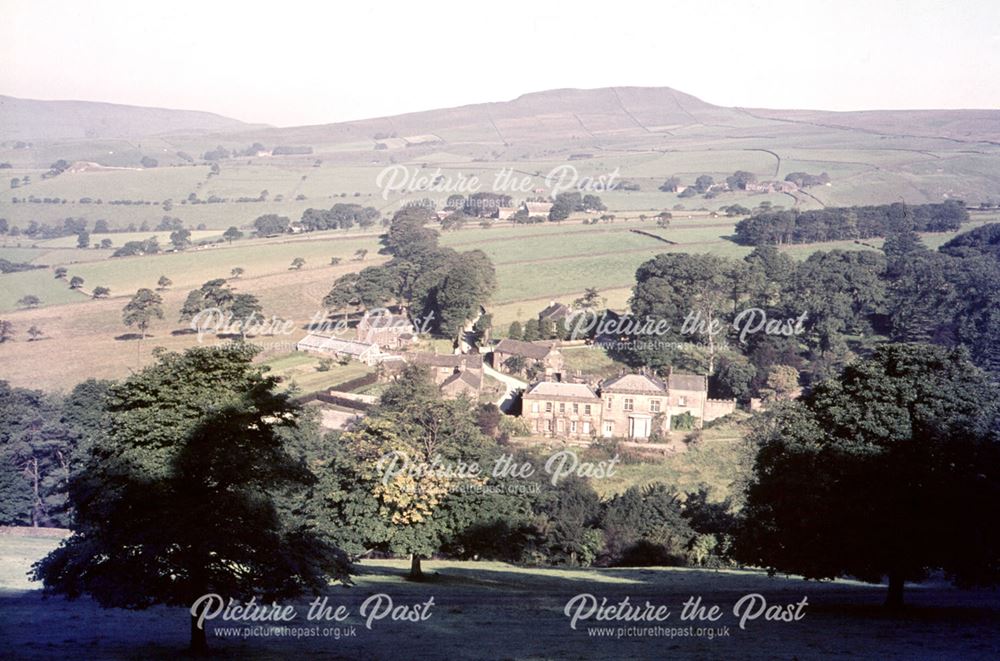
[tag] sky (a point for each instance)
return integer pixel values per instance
(295, 62)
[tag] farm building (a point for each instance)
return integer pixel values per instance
(554, 312)
(545, 355)
(367, 353)
(536, 209)
(455, 374)
(387, 330)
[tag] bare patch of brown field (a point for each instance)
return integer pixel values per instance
(79, 341)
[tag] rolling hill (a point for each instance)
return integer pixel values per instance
(33, 120)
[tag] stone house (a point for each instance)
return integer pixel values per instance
(387, 330)
(545, 355)
(635, 405)
(631, 406)
(455, 374)
(569, 410)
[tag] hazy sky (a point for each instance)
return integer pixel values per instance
(293, 62)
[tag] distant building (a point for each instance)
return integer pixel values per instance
(570, 410)
(455, 374)
(534, 209)
(555, 312)
(505, 213)
(389, 331)
(545, 355)
(634, 406)
(364, 352)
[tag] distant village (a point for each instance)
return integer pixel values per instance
(552, 400)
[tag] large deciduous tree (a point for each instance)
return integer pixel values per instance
(179, 495)
(890, 470)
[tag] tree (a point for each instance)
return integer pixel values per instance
(403, 513)
(703, 183)
(591, 299)
(269, 224)
(232, 234)
(670, 185)
(164, 283)
(244, 308)
(75, 282)
(214, 294)
(531, 330)
(29, 301)
(177, 500)
(106, 244)
(34, 333)
(145, 306)
(83, 239)
(891, 469)
(515, 332)
(360, 255)
(237, 272)
(6, 331)
(297, 264)
(334, 261)
(101, 292)
(60, 272)
(181, 238)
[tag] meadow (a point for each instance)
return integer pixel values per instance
(494, 610)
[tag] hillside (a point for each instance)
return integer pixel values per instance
(34, 120)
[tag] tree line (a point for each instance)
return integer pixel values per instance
(845, 223)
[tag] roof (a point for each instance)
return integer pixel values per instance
(464, 378)
(318, 342)
(554, 311)
(534, 208)
(466, 360)
(399, 323)
(635, 383)
(559, 389)
(687, 382)
(534, 350)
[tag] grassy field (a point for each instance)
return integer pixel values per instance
(492, 610)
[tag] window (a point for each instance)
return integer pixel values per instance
(629, 404)
(576, 408)
(562, 407)
(548, 407)
(609, 403)
(548, 425)
(560, 425)
(586, 427)
(609, 428)
(534, 407)
(586, 409)
(572, 426)
(682, 401)
(654, 405)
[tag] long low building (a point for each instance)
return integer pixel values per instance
(365, 352)
(630, 406)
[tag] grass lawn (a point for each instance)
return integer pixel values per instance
(493, 610)
(299, 370)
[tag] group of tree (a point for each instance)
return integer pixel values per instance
(7, 332)
(149, 246)
(845, 223)
(567, 203)
(339, 216)
(850, 299)
(432, 282)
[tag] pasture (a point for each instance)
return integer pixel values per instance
(494, 610)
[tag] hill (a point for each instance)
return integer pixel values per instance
(34, 120)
